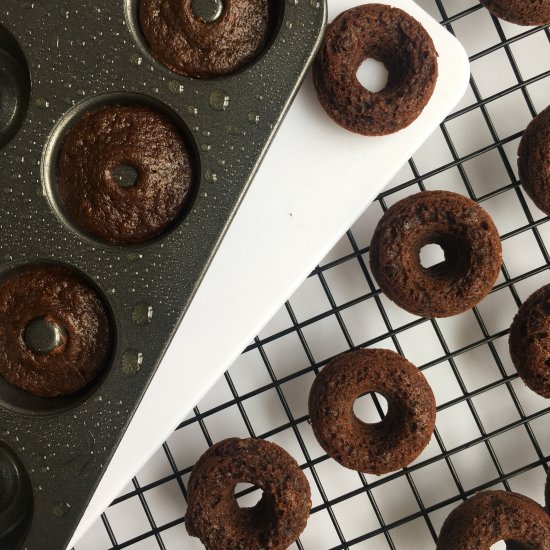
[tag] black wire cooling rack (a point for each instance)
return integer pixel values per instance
(491, 431)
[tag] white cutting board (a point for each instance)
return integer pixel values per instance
(315, 181)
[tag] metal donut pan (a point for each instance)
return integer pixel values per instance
(59, 59)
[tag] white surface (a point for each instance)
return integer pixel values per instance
(315, 181)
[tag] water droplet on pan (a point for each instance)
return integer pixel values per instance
(219, 100)
(175, 87)
(211, 176)
(136, 59)
(142, 314)
(61, 509)
(134, 256)
(132, 360)
(42, 102)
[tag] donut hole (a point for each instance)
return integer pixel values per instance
(44, 336)
(372, 75)
(125, 175)
(208, 10)
(444, 256)
(255, 510)
(370, 408)
(431, 255)
(247, 495)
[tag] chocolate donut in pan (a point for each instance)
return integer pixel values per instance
(137, 138)
(470, 242)
(392, 37)
(228, 39)
(492, 516)
(56, 335)
(521, 12)
(213, 514)
(372, 448)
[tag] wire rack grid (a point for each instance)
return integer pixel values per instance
(491, 431)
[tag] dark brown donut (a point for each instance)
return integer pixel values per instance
(468, 237)
(373, 448)
(392, 37)
(122, 135)
(213, 514)
(65, 298)
(521, 12)
(547, 492)
(530, 341)
(491, 516)
(190, 46)
(534, 160)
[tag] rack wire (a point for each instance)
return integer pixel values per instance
(491, 431)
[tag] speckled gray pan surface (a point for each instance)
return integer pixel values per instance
(58, 60)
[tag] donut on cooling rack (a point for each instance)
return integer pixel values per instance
(491, 516)
(55, 336)
(547, 492)
(521, 12)
(464, 231)
(534, 160)
(372, 448)
(530, 341)
(136, 138)
(189, 45)
(213, 514)
(392, 37)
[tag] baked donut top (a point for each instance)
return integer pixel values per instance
(187, 44)
(135, 137)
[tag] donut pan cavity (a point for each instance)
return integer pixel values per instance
(79, 56)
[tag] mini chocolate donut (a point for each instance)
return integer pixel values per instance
(530, 341)
(132, 137)
(521, 12)
(491, 516)
(534, 160)
(192, 46)
(213, 514)
(468, 237)
(373, 448)
(392, 37)
(547, 492)
(77, 336)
